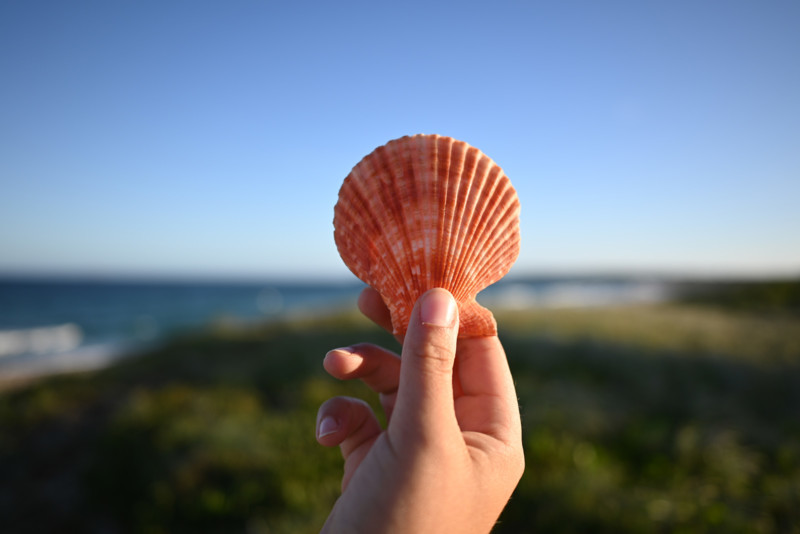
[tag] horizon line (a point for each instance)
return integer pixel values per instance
(548, 274)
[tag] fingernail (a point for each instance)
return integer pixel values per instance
(438, 308)
(327, 426)
(347, 351)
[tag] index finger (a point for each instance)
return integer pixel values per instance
(371, 304)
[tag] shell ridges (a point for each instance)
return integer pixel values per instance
(428, 211)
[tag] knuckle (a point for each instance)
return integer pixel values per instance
(437, 354)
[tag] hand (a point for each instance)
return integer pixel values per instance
(451, 454)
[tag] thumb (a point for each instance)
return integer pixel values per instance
(425, 392)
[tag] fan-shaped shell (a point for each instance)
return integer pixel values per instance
(428, 211)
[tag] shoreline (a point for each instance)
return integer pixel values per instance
(26, 369)
(509, 300)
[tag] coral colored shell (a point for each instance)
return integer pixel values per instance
(428, 211)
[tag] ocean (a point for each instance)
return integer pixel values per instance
(51, 325)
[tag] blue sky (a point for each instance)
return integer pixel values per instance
(210, 138)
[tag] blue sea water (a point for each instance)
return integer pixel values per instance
(49, 325)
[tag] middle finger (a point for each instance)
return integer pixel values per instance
(377, 367)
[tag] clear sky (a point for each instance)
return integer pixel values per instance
(211, 138)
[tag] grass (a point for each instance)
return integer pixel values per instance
(672, 418)
(658, 419)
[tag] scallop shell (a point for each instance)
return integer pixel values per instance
(428, 211)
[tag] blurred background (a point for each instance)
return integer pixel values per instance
(169, 281)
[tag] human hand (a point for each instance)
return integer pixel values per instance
(451, 454)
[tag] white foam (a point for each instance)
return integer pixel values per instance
(40, 340)
(519, 296)
(83, 358)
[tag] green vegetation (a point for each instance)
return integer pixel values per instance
(674, 418)
(767, 296)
